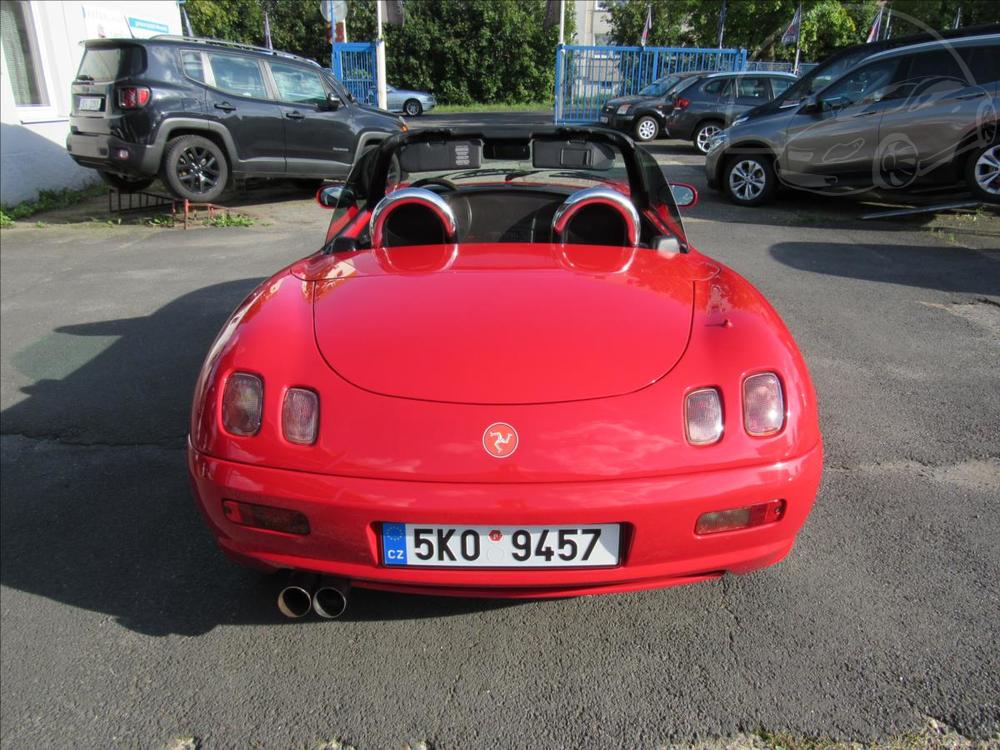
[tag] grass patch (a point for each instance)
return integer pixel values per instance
(230, 220)
(47, 200)
(528, 107)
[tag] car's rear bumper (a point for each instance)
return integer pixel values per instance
(111, 154)
(659, 546)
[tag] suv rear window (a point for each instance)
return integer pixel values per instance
(111, 63)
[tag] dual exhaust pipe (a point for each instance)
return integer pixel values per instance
(306, 592)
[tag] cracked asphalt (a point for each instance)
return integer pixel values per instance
(121, 625)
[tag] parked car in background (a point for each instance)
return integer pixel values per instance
(409, 102)
(200, 112)
(643, 115)
(838, 63)
(917, 114)
(712, 101)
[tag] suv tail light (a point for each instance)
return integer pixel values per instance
(703, 416)
(763, 404)
(300, 416)
(133, 97)
(242, 404)
(740, 518)
(681, 103)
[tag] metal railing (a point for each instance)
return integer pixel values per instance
(587, 76)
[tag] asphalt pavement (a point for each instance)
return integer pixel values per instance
(122, 625)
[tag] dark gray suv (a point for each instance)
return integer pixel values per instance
(199, 112)
(711, 102)
(917, 114)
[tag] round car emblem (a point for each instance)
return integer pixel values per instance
(500, 440)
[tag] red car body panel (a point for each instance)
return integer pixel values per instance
(400, 436)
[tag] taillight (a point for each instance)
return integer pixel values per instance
(265, 517)
(703, 416)
(681, 103)
(242, 404)
(133, 97)
(300, 416)
(740, 518)
(763, 404)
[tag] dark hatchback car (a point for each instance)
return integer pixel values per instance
(643, 115)
(199, 112)
(710, 103)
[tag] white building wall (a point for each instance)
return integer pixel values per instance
(593, 22)
(33, 138)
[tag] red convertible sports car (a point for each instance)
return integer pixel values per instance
(506, 374)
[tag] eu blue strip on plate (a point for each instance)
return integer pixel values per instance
(394, 543)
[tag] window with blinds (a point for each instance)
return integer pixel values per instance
(20, 51)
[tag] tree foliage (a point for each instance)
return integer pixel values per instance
(757, 25)
(468, 50)
(488, 51)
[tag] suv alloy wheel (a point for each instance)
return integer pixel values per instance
(749, 180)
(704, 134)
(195, 168)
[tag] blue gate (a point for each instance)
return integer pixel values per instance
(354, 64)
(586, 77)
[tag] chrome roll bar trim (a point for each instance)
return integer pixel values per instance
(602, 196)
(412, 196)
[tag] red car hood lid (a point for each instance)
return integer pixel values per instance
(504, 324)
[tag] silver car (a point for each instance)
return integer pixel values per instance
(927, 112)
(410, 103)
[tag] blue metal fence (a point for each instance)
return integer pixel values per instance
(586, 77)
(354, 64)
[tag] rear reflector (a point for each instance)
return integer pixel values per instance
(266, 517)
(740, 518)
(242, 404)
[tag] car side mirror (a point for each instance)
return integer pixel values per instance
(684, 195)
(333, 101)
(811, 104)
(335, 195)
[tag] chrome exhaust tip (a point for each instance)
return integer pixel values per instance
(330, 599)
(295, 599)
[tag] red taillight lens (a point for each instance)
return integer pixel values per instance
(740, 518)
(300, 416)
(133, 97)
(266, 517)
(242, 404)
(763, 404)
(703, 416)
(681, 103)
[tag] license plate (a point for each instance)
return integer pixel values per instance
(90, 103)
(500, 546)
(604, 118)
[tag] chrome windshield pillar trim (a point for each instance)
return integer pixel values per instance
(412, 196)
(600, 196)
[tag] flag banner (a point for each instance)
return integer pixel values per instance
(647, 26)
(876, 27)
(791, 35)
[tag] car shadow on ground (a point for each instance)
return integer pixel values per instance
(968, 271)
(97, 510)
